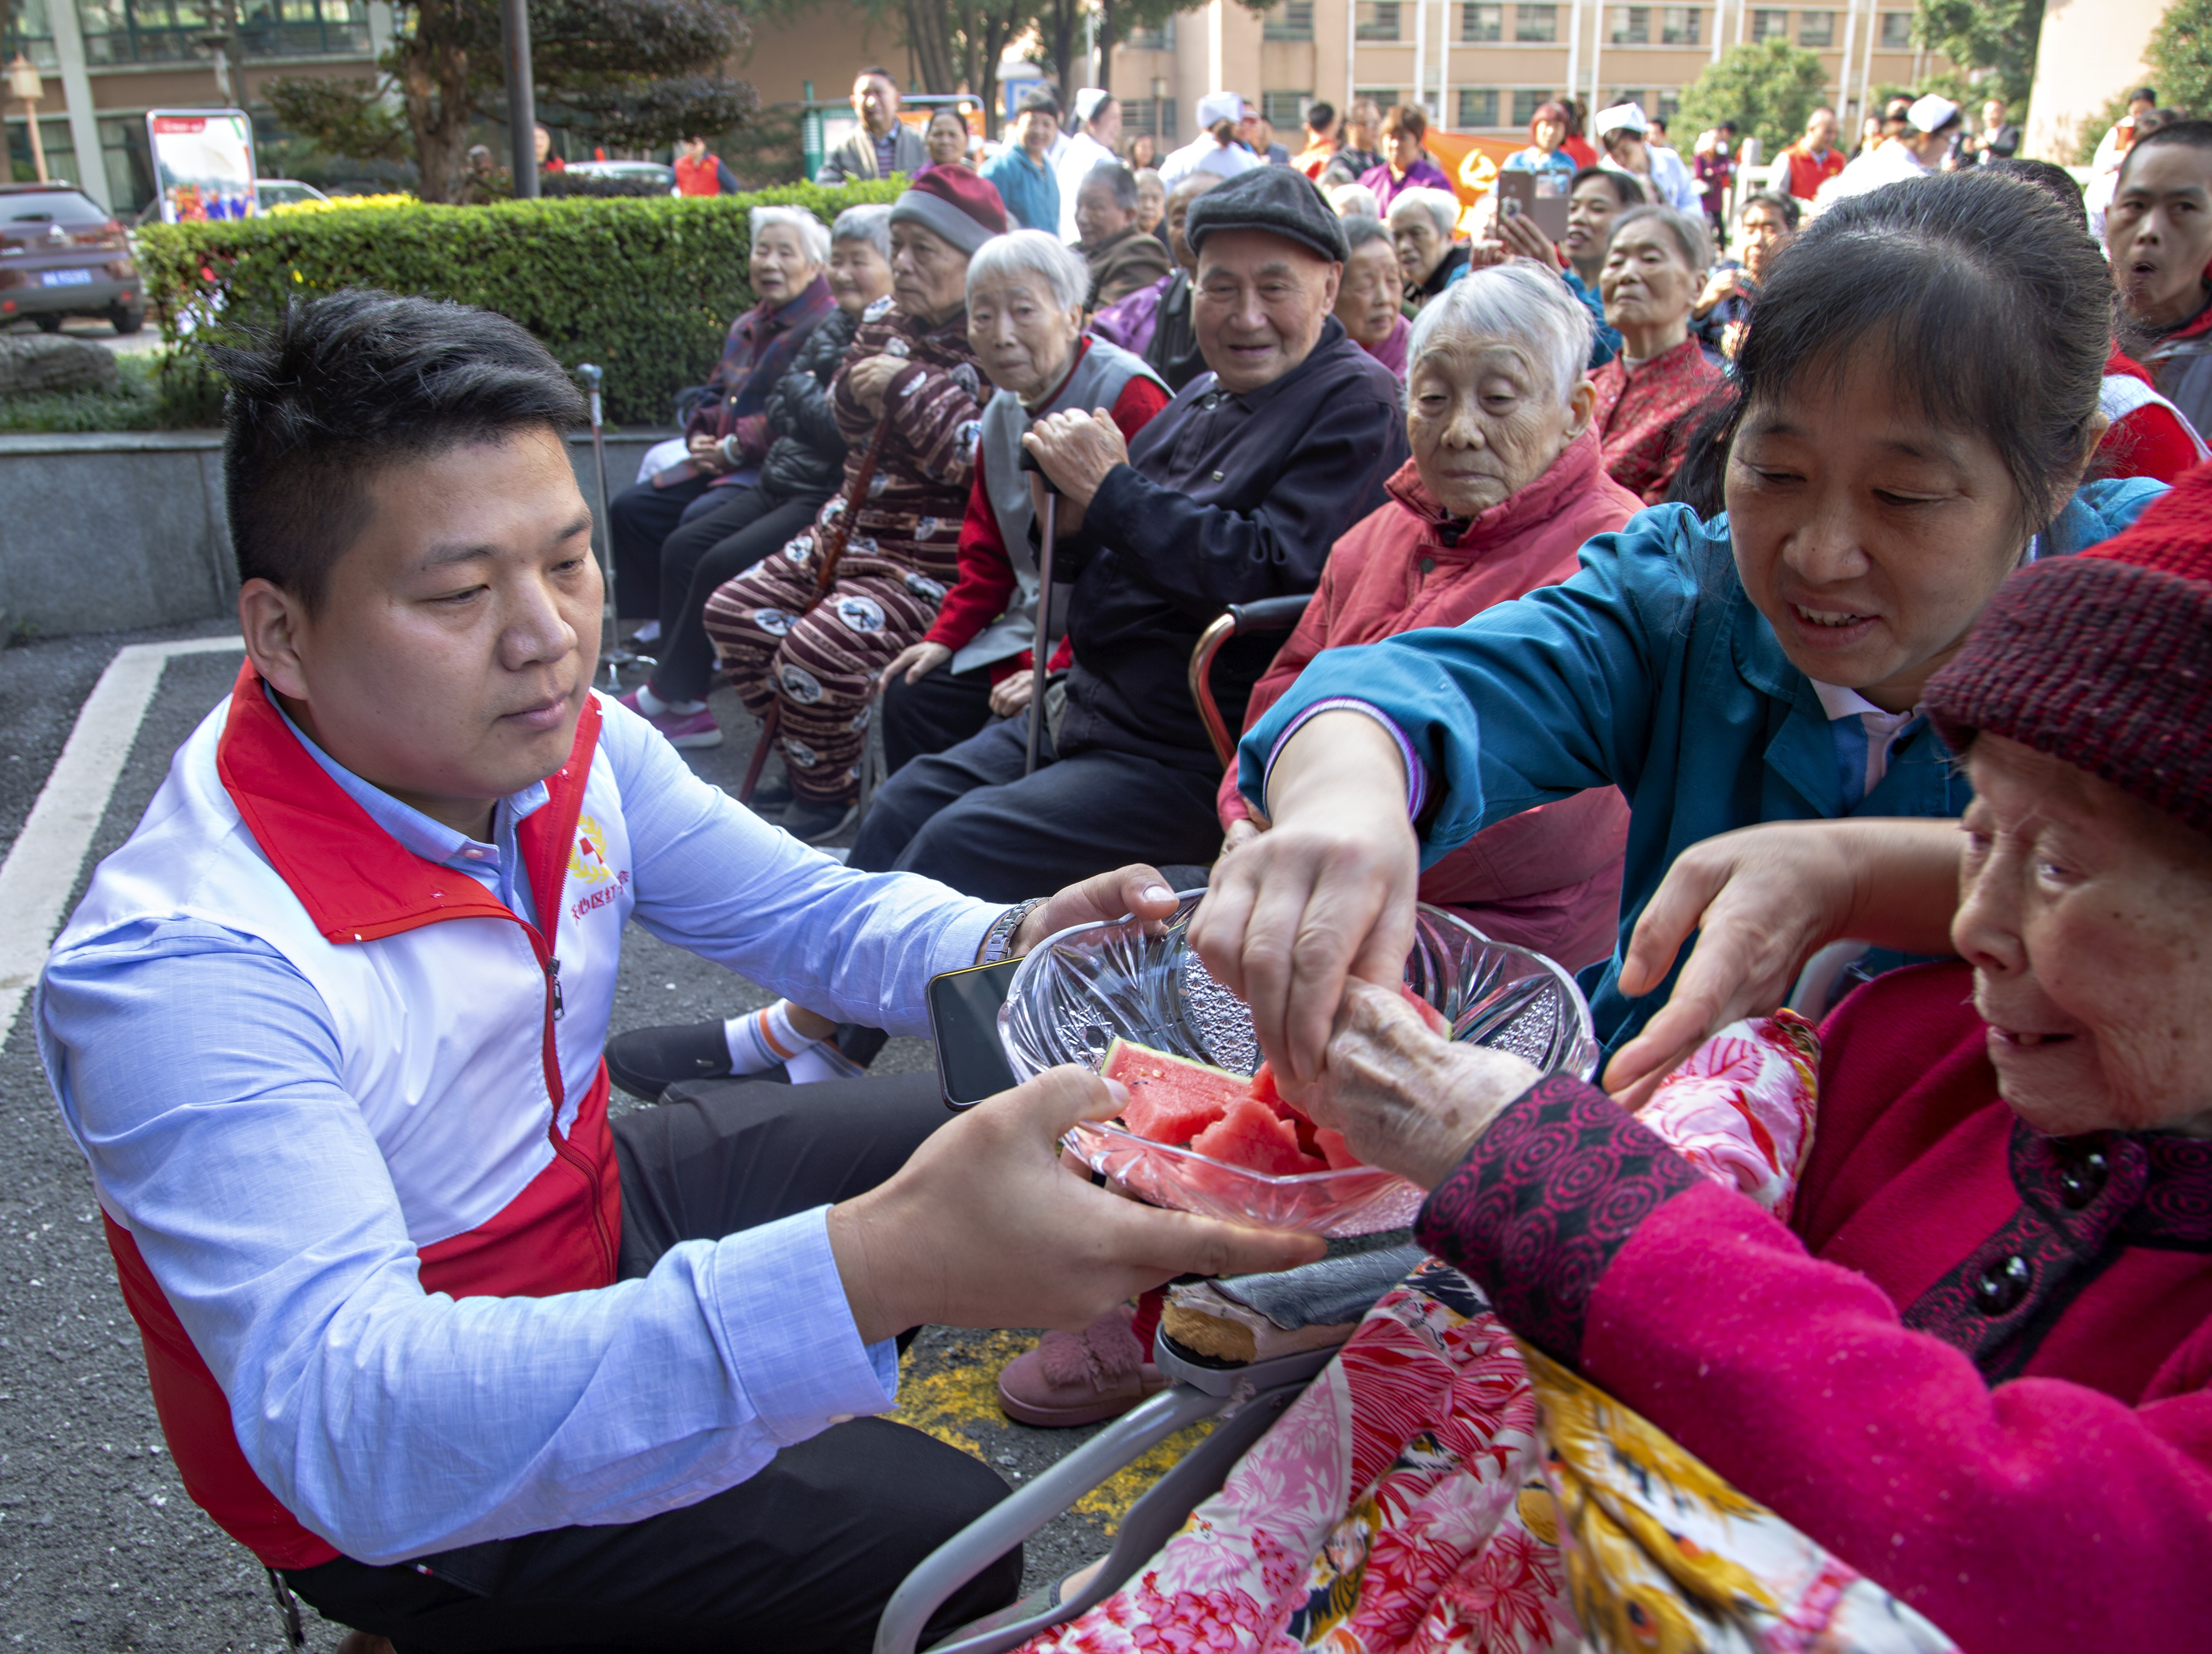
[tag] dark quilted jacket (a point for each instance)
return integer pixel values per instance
(806, 456)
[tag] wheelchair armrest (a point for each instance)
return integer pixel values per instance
(1262, 1392)
(1274, 614)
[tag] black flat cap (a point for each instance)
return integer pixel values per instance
(1281, 200)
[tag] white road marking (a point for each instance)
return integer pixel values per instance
(42, 866)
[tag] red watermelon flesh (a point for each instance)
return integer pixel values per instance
(1263, 1089)
(1430, 1014)
(1249, 1135)
(1334, 1150)
(1171, 1099)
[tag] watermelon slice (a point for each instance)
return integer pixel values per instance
(1171, 1099)
(1249, 1135)
(1263, 1090)
(1430, 1014)
(1335, 1151)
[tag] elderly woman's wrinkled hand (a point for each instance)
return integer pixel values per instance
(1520, 238)
(866, 380)
(1407, 1099)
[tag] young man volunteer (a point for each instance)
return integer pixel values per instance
(470, 1367)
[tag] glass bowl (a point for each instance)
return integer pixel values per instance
(1078, 990)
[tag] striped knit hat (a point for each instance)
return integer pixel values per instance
(2104, 660)
(953, 203)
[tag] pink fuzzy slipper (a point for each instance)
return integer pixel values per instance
(1072, 1379)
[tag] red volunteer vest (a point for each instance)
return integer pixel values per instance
(560, 1235)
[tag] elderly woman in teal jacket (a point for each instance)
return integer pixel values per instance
(1919, 403)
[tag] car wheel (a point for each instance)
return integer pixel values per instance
(48, 322)
(126, 321)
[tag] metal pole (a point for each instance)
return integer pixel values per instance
(1042, 637)
(522, 128)
(613, 656)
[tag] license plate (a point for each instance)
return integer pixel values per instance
(66, 277)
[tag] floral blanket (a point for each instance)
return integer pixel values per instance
(1441, 1487)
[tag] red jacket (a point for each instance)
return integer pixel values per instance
(987, 583)
(2149, 436)
(1646, 418)
(1548, 878)
(1973, 1365)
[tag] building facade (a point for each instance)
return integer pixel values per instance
(1484, 66)
(2088, 51)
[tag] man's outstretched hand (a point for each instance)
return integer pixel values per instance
(987, 1227)
(1135, 889)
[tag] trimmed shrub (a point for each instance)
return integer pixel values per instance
(646, 289)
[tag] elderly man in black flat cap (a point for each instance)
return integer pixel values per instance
(1235, 491)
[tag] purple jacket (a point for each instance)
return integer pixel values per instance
(1425, 174)
(1128, 321)
(757, 353)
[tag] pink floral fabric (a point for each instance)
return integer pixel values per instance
(1400, 1505)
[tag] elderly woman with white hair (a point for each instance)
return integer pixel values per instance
(1506, 483)
(726, 427)
(1025, 308)
(733, 528)
(1425, 227)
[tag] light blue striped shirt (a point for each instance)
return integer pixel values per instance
(200, 1074)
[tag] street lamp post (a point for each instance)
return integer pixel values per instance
(521, 96)
(23, 84)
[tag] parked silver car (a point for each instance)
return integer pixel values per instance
(62, 254)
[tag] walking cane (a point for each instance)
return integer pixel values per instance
(831, 550)
(611, 653)
(1044, 608)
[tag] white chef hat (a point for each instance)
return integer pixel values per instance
(1218, 106)
(1622, 118)
(1090, 99)
(1932, 113)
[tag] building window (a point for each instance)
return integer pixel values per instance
(1663, 108)
(1375, 20)
(1284, 110)
(168, 31)
(1678, 26)
(1536, 24)
(1385, 98)
(1151, 39)
(1630, 26)
(31, 33)
(1770, 24)
(1816, 28)
(1155, 117)
(1478, 107)
(1896, 31)
(1526, 102)
(61, 150)
(1291, 20)
(1480, 23)
(1621, 94)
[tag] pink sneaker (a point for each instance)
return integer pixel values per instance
(1072, 1379)
(680, 728)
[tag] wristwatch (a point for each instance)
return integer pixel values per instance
(1000, 938)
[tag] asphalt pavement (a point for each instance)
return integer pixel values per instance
(100, 1549)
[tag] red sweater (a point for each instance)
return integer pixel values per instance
(1973, 1364)
(1646, 418)
(986, 582)
(1548, 878)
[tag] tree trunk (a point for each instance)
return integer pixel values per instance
(1106, 43)
(933, 51)
(1064, 21)
(433, 84)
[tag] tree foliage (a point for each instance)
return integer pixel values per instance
(1767, 88)
(2180, 58)
(632, 73)
(1993, 40)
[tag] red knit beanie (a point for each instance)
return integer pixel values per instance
(2104, 660)
(951, 202)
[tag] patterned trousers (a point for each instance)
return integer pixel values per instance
(821, 663)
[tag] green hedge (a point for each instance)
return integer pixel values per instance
(646, 289)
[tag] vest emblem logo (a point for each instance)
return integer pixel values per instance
(587, 861)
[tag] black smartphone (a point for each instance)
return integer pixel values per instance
(963, 1020)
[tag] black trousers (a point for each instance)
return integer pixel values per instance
(726, 533)
(969, 819)
(802, 1556)
(640, 518)
(941, 711)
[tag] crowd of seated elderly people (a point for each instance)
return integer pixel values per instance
(1670, 615)
(1575, 691)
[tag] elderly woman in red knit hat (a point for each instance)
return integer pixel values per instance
(813, 626)
(1972, 1364)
